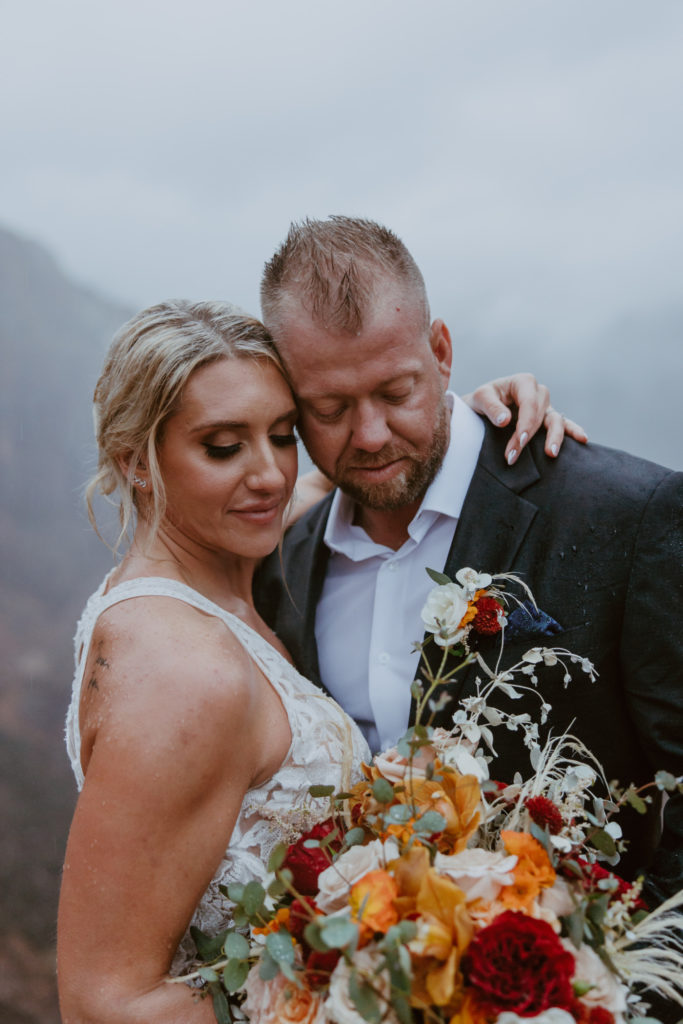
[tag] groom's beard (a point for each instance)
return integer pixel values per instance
(409, 486)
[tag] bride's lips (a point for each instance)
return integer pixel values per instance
(261, 515)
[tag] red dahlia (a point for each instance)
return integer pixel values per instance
(306, 863)
(544, 813)
(486, 620)
(519, 964)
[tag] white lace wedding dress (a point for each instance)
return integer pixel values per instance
(327, 749)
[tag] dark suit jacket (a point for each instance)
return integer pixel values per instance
(598, 536)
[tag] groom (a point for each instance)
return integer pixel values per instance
(422, 481)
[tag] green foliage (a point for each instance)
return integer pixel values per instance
(382, 791)
(364, 999)
(429, 822)
(439, 577)
(339, 932)
(235, 974)
(221, 1007)
(277, 857)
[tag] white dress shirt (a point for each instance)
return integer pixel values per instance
(368, 616)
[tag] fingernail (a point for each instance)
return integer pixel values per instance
(512, 456)
(523, 439)
(554, 449)
(500, 418)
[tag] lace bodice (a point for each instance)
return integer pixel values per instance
(327, 749)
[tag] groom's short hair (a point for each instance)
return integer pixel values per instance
(333, 267)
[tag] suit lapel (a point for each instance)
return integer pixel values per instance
(308, 561)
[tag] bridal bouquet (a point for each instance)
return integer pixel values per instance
(431, 893)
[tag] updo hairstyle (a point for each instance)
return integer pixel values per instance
(149, 362)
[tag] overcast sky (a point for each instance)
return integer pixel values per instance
(530, 153)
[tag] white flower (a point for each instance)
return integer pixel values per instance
(472, 581)
(395, 767)
(551, 1016)
(443, 613)
(481, 874)
(558, 898)
(279, 1001)
(606, 990)
(339, 1006)
(335, 882)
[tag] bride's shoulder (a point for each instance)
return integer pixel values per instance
(151, 649)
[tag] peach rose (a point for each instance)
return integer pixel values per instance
(334, 884)
(280, 1002)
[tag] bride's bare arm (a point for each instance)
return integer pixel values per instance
(172, 748)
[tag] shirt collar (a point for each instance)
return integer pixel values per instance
(444, 496)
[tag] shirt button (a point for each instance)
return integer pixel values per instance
(393, 566)
(383, 658)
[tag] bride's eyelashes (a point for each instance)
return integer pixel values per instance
(219, 451)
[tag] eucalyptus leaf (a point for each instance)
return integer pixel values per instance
(399, 814)
(236, 946)
(429, 822)
(314, 938)
(280, 946)
(666, 781)
(542, 836)
(236, 892)
(574, 925)
(221, 1007)
(402, 1009)
(277, 888)
(277, 857)
(338, 932)
(382, 791)
(207, 974)
(254, 895)
(208, 946)
(268, 968)
(439, 577)
(603, 842)
(365, 1000)
(321, 790)
(354, 837)
(235, 974)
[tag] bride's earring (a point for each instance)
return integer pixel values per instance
(139, 481)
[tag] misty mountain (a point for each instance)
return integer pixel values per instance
(52, 338)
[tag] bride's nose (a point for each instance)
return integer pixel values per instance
(264, 472)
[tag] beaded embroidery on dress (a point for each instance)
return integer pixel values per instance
(327, 749)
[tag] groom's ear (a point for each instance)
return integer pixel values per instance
(442, 348)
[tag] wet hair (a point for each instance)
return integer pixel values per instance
(333, 267)
(149, 362)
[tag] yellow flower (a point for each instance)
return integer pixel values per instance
(281, 920)
(444, 931)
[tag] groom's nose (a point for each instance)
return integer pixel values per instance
(370, 431)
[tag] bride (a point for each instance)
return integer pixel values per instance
(192, 737)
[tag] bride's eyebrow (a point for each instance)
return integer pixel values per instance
(291, 414)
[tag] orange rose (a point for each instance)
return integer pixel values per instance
(532, 872)
(372, 903)
(454, 796)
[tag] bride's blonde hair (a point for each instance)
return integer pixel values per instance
(149, 362)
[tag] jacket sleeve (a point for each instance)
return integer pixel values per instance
(652, 658)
